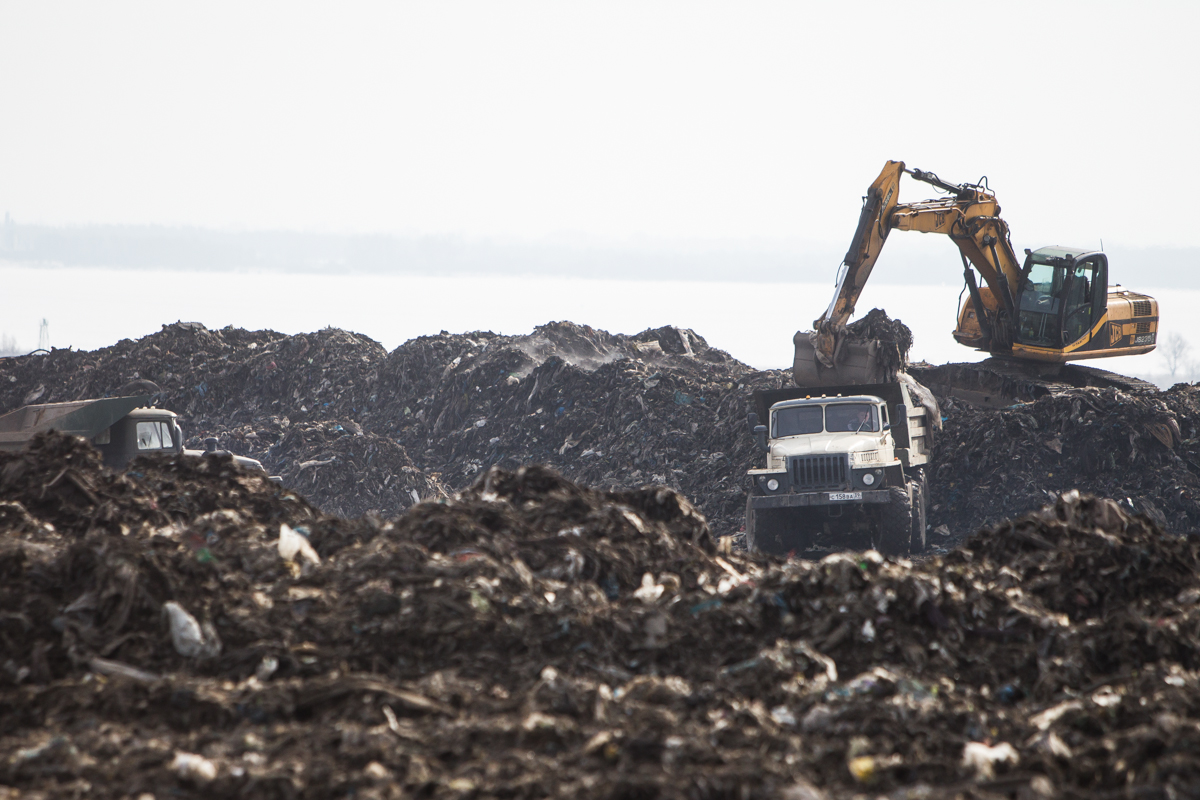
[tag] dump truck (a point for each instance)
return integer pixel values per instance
(121, 428)
(845, 468)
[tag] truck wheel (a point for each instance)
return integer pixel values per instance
(920, 502)
(895, 529)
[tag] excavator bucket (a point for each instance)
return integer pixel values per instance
(854, 362)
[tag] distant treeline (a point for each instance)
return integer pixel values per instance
(183, 248)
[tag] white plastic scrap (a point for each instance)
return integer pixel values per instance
(189, 638)
(192, 767)
(1043, 720)
(266, 668)
(783, 716)
(982, 759)
(650, 590)
(292, 544)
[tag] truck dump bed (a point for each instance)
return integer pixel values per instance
(85, 418)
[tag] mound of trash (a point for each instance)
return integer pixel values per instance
(188, 628)
(356, 429)
(1141, 450)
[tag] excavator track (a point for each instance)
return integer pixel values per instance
(1000, 382)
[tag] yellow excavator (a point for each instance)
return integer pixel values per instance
(1033, 315)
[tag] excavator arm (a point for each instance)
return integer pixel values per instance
(971, 218)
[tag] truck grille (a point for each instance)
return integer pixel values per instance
(1141, 308)
(818, 472)
(1143, 327)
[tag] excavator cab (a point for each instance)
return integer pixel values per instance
(1033, 316)
(1063, 294)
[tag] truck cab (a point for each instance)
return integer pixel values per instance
(837, 444)
(142, 432)
(153, 431)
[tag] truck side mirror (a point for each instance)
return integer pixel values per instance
(752, 418)
(760, 435)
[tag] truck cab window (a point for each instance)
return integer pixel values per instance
(797, 421)
(165, 434)
(862, 417)
(149, 436)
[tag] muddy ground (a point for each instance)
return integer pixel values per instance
(424, 610)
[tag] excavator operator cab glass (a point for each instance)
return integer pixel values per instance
(1061, 296)
(1080, 295)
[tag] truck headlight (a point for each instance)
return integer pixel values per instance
(773, 485)
(868, 479)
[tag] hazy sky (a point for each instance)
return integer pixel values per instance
(604, 121)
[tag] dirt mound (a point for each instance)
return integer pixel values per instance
(189, 628)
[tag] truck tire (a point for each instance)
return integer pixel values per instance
(895, 529)
(920, 502)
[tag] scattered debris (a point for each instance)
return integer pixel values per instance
(534, 637)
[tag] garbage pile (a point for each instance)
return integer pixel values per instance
(355, 428)
(1143, 451)
(191, 629)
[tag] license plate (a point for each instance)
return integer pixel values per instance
(1145, 338)
(845, 495)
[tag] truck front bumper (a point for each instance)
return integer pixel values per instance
(798, 500)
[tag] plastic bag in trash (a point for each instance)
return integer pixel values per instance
(189, 637)
(292, 544)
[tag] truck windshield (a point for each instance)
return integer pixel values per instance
(852, 417)
(797, 421)
(801, 420)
